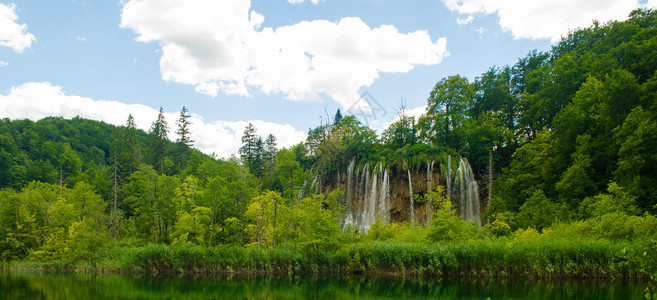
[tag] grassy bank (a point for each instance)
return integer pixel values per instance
(480, 258)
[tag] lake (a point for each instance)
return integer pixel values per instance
(23, 285)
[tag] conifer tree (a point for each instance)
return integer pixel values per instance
(270, 157)
(183, 141)
(337, 118)
(252, 150)
(131, 154)
(158, 137)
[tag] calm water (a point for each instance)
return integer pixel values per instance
(75, 286)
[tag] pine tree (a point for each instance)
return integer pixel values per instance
(337, 118)
(158, 137)
(270, 157)
(130, 155)
(184, 141)
(252, 150)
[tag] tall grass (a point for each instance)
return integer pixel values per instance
(493, 258)
(542, 258)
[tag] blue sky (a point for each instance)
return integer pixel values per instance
(278, 63)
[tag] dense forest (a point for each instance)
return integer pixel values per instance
(563, 145)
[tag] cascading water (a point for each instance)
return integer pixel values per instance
(429, 174)
(384, 201)
(370, 192)
(463, 191)
(410, 192)
(349, 219)
(368, 196)
(369, 208)
(428, 210)
(471, 189)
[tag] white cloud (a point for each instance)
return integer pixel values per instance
(3, 63)
(220, 46)
(36, 100)
(12, 34)
(464, 21)
(80, 38)
(547, 19)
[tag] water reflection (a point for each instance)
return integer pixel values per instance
(113, 286)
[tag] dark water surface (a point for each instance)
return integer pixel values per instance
(102, 286)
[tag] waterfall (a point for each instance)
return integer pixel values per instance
(369, 193)
(349, 218)
(369, 211)
(315, 185)
(410, 192)
(470, 192)
(368, 196)
(429, 204)
(463, 191)
(384, 200)
(365, 194)
(429, 176)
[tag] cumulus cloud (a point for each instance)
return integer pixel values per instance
(36, 100)
(221, 46)
(547, 19)
(12, 34)
(3, 63)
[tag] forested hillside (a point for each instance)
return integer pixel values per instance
(562, 144)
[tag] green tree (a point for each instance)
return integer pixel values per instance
(186, 197)
(637, 139)
(577, 182)
(194, 225)
(533, 168)
(69, 163)
(184, 141)
(130, 154)
(86, 203)
(84, 238)
(141, 202)
(289, 172)
(402, 132)
(252, 150)
(448, 106)
(158, 136)
(537, 212)
(268, 217)
(446, 224)
(216, 197)
(616, 200)
(269, 157)
(317, 219)
(338, 117)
